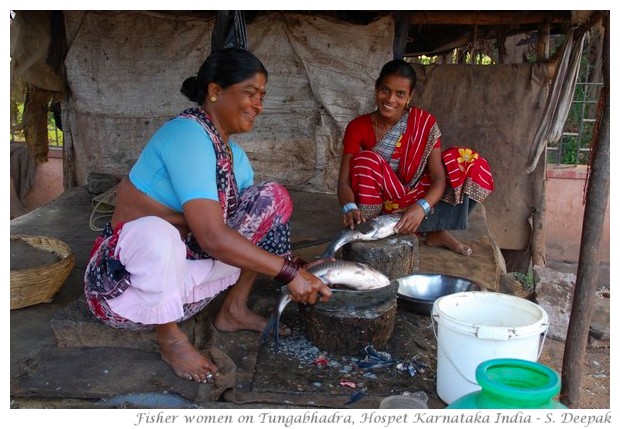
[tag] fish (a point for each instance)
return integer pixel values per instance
(273, 324)
(373, 229)
(350, 274)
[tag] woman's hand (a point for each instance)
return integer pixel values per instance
(306, 288)
(345, 194)
(410, 220)
(352, 218)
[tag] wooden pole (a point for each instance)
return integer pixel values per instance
(401, 30)
(502, 55)
(472, 53)
(542, 43)
(537, 243)
(587, 271)
(538, 246)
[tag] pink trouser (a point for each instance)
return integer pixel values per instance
(162, 278)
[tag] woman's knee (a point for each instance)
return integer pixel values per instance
(150, 237)
(274, 188)
(364, 156)
(278, 193)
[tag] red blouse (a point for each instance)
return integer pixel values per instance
(359, 135)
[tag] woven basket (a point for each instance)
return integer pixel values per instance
(39, 284)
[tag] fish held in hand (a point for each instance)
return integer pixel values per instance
(349, 274)
(374, 229)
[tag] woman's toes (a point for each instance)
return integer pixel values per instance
(465, 250)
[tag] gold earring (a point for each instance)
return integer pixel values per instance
(213, 99)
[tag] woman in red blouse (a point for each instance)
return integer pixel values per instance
(392, 162)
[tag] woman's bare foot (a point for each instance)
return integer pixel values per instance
(229, 320)
(234, 315)
(445, 239)
(186, 362)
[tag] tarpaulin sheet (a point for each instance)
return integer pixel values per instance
(125, 71)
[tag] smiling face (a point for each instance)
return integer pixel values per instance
(238, 105)
(391, 96)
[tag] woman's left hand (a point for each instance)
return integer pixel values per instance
(352, 218)
(410, 220)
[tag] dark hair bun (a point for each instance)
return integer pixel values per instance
(224, 67)
(188, 88)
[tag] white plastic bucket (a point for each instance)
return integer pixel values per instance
(473, 327)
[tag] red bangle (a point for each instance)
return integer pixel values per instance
(288, 272)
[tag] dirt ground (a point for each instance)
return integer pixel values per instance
(595, 375)
(595, 389)
(594, 392)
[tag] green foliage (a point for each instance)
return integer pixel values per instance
(16, 118)
(579, 126)
(423, 59)
(54, 135)
(526, 279)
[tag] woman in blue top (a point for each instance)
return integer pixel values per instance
(189, 223)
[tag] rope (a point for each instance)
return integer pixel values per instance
(103, 208)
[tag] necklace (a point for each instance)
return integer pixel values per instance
(377, 128)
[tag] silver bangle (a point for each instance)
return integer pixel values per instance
(348, 207)
(425, 206)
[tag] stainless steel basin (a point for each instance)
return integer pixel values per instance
(418, 292)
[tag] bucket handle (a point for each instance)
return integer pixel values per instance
(433, 320)
(446, 354)
(542, 341)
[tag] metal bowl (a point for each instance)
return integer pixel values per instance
(418, 292)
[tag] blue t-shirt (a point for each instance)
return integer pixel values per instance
(178, 165)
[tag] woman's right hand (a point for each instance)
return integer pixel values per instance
(308, 288)
(352, 218)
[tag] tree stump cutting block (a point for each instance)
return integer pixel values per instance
(348, 330)
(396, 256)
